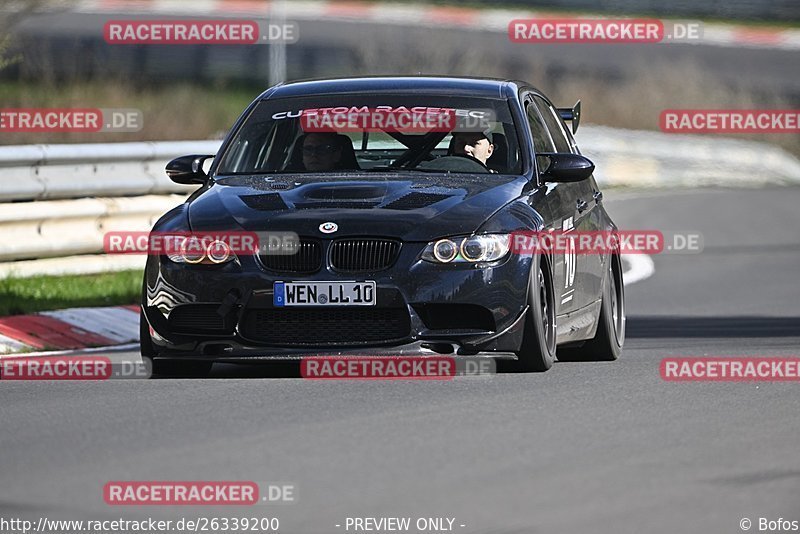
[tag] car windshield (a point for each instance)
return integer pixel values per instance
(373, 133)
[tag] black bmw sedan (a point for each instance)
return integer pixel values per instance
(384, 213)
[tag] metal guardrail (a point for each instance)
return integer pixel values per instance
(654, 159)
(57, 201)
(44, 172)
(34, 230)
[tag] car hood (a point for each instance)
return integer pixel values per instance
(408, 207)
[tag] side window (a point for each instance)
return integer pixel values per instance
(541, 139)
(554, 124)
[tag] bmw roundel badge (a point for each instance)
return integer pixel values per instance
(328, 227)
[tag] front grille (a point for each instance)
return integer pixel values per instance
(307, 259)
(326, 327)
(199, 319)
(354, 255)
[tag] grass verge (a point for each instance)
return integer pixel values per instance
(171, 112)
(43, 293)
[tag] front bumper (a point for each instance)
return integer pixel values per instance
(226, 312)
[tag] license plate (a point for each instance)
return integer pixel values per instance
(324, 294)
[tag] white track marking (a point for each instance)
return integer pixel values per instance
(9, 345)
(75, 352)
(640, 267)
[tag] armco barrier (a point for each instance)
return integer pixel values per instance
(654, 159)
(59, 200)
(33, 230)
(39, 172)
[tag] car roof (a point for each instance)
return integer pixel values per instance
(476, 87)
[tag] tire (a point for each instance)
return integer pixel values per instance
(607, 343)
(538, 350)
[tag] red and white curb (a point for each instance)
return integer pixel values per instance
(73, 328)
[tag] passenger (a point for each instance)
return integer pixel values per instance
(475, 144)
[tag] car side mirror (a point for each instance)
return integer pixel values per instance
(567, 168)
(187, 170)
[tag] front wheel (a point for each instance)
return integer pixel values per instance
(538, 350)
(607, 343)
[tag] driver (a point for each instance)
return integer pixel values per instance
(477, 145)
(321, 152)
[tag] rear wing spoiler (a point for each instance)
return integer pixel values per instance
(573, 115)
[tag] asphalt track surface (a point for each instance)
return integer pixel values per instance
(585, 447)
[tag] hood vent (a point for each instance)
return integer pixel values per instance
(415, 200)
(268, 202)
(346, 192)
(341, 205)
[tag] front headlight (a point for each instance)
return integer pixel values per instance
(469, 249)
(195, 251)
